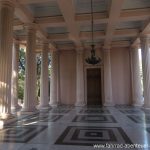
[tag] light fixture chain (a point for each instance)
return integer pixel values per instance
(92, 22)
(93, 59)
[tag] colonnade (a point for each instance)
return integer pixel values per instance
(9, 72)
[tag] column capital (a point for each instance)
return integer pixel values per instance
(8, 3)
(16, 41)
(55, 52)
(135, 47)
(45, 42)
(30, 27)
(79, 50)
(144, 37)
(45, 46)
(107, 48)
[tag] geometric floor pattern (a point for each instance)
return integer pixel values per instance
(95, 119)
(148, 130)
(59, 110)
(139, 119)
(34, 119)
(130, 111)
(19, 134)
(77, 128)
(94, 111)
(83, 135)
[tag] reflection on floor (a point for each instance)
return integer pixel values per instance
(72, 128)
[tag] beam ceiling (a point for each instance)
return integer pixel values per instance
(73, 21)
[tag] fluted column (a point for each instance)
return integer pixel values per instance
(54, 95)
(145, 50)
(6, 39)
(80, 100)
(136, 79)
(30, 72)
(44, 101)
(108, 100)
(14, 80)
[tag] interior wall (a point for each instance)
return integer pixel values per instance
(121, 76)
(121, 81)
(68, 77)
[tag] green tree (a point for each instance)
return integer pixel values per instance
(21, 75)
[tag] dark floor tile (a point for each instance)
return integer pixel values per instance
(139, 119)
(20, 134)
(95, 119)
(94, 111)
(87, 136)
(34, 120)
(131, 111)
(56, 110)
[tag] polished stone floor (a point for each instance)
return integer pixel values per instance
(73, 128)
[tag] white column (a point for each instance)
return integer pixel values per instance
(44, 100)
(6, 40)
(136, 79)
(108, 100)
(145, 50)
(54, 95)
(80, 100)
(58, 79)
(14, 80)
(30, 72)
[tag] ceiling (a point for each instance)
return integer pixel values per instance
(66, 24)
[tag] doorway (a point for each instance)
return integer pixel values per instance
(94, 93)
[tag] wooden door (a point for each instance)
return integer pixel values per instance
(94, 86)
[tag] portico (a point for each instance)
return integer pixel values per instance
(62, 29)
(33, 31)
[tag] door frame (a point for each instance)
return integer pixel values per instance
(102, 81)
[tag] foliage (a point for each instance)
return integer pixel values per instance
(21, 75)
(22, 62)
(21, 89)
(38, 61)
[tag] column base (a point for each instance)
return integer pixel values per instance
(54, 105)
(15, 108)
(138, 104)
(109, 104)
(43, 108)
(28, 111)
(146, 107)
(6, 119)
(80, 104)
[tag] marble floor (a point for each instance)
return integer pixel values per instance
(72, 128)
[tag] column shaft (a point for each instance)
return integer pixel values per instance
(44, 101)
(6, 38)
(80, 100)
(136, 79)
(107, 79)
(14, 80)
(30, 72)
(146, 69)
(54, 79)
